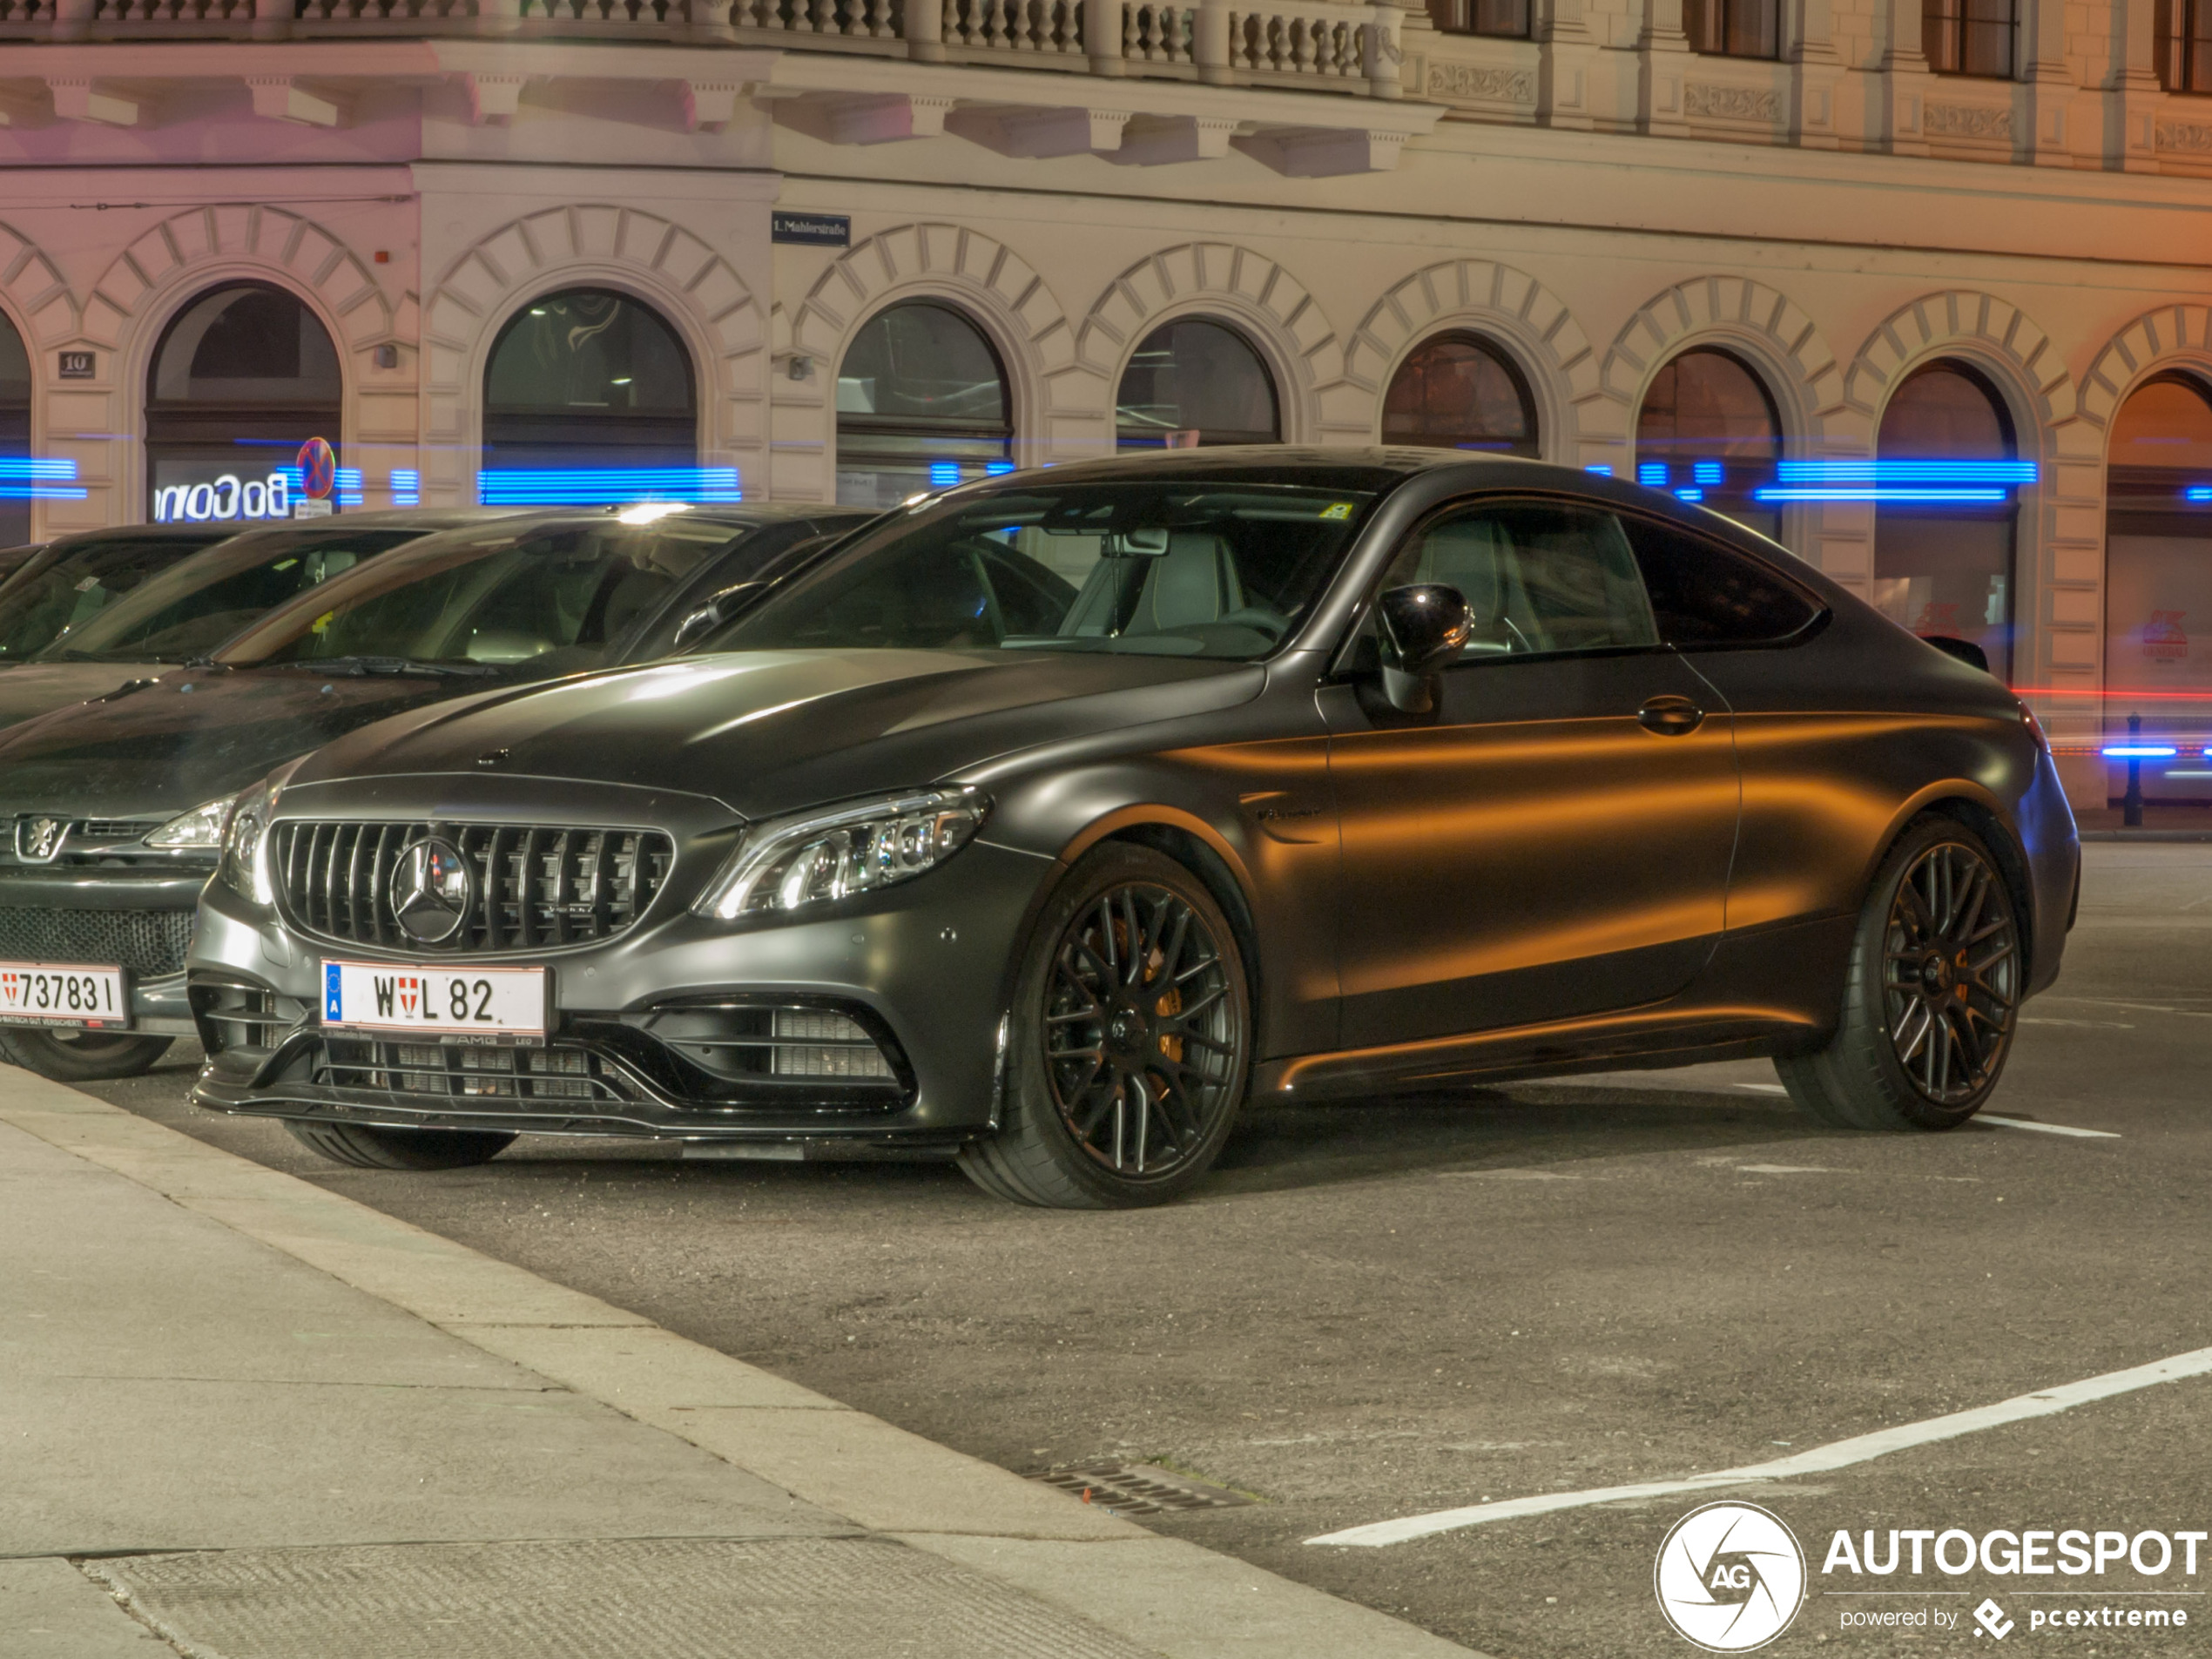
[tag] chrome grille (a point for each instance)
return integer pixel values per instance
(150, 943)
(535, 887)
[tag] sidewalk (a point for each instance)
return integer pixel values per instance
(243, 1417)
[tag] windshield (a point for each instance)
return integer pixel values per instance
(1161, 567)
(552, 600)
(195, 605)
(65, 587)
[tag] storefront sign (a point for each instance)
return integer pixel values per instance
(74, 365)
(811, 230)
(224, 499)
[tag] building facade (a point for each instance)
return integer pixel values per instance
(1918, 289)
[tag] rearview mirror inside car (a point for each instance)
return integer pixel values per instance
(1428, 625)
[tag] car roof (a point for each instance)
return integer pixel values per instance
(1376, 467)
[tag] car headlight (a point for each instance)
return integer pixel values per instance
(835, 851)
(244, 869)
(202, 826)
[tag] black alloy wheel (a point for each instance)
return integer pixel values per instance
(1950, 973)
(1931, 993)
(1138, 1042)
(1130, 1038)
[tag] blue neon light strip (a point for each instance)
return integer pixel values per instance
(605, 486)
(407, 487)
(39, 478)
(1705, 472)
(997, 469)
(2197, 492)
(1690, 495)
(1652, 474)
(348, 486)
(1887, 474)
(2138, 751)
(1603, 470)
(1878, 494)
(943, 474)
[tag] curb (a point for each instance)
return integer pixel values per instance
(1172, 1597)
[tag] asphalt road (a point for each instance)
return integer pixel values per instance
(1383, 1310)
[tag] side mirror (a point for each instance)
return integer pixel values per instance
(1429, 625)
(1965, 649)
(710, 616)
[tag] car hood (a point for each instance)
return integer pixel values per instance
(31, 689)
(771, 732)
(188, 737)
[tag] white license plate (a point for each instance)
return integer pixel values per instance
(489, 1004)
(62, 994)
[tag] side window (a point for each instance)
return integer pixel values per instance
(1708, 597)
(1540, 576)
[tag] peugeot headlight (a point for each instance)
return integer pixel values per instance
(835, 851)
(202, 826)
(244, 869)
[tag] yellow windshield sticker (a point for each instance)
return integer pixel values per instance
(322, 622)
(1341, 510)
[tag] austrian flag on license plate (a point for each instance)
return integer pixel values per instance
(489, 1004)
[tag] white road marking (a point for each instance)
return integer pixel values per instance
(1784, 1169)
(2045, 1128)
(1861, 1448)
(2091, 1025)
(1764, 1088)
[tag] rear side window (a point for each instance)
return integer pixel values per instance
(1706, 596)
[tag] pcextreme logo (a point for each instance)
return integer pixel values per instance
(1730, 1577)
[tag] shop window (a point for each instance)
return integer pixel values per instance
(583, 386)
(921, 403)
(1946, 567)
(1507, 19)
(2158, 574)
(2185, 45)
(15, 434)
(1733, 28)
(1708, 432)
(1192, 383)
(243, 377)
(1969, 37)
(1457, 392)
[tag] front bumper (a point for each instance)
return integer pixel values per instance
(136, 918)
(667, 1031)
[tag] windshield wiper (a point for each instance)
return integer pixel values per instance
(404, 667)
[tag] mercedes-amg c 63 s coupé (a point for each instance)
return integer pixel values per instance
(1049, 819)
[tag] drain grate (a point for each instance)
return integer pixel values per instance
(1140, 1488)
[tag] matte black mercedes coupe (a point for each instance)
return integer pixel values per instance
(1048, 819)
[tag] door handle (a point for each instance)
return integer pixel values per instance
(1670, 716)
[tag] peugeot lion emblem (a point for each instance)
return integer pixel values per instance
(432, 890)
(39, 838)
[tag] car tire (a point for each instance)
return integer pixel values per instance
(83, 1057)
(1115, 1051)
(368, 1147)
(1931, 993)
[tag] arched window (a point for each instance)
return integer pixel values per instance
(1708, 431)
(1458, 392)
(15, 432)
(243, 377)
(586, 382)
(1947, 568)
(921, 403)
(1193, 383)
(2158, 568)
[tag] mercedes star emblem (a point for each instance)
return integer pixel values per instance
(39, 838)
(432, 890)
